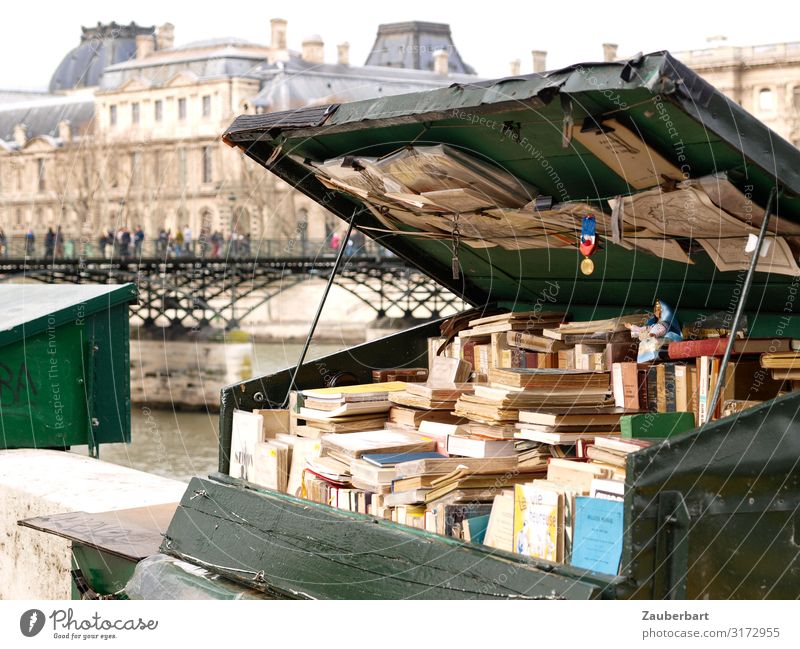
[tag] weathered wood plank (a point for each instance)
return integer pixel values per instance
(300, 549)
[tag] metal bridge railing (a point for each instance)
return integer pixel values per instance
(40, 247)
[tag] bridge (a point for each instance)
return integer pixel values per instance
(192, 290)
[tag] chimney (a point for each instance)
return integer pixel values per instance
(64, 131)
(609, 52)
(515, 67)
(144, 45)
(539, 60)
(343, 53)
(165, 37)
(313, 49)
(441, 62)
(20, 134)
(278, 34)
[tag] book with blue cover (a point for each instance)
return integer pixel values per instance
(390, 459)
(597, 540)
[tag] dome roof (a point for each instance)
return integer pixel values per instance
(100, 47)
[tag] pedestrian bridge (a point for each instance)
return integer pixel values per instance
(192, 290)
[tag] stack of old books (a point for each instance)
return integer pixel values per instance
(783, 365)
(342, 410)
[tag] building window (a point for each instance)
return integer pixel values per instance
(206, 105)
(182, 108)
(182, 168)
(42, 175)
(112, 115)
(19, 217)
(207, 171)
(135, 112)
(766, 100)
(796, 98)
(159, 110)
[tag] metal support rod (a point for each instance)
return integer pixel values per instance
(748, 280)
(334, 270)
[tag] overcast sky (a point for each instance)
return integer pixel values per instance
(37, 35)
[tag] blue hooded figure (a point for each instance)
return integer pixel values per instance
(662, 327)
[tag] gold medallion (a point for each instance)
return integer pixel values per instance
(587, 266)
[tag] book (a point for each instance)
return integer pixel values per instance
(555, 437)
(704, 388)
(477, 447)
(413, 417)
(446, 370)
(414, 482)
(621, 445)
(347, 408)
(607, 489)
(440, 392)
(354, 445)
(247, 431)
(597, 542)
(274, 421)
(443, 466)
(656, 425)
(368, 472)
(625, 351)
(665, 387)
(539, 522)
(652, 388)
(553, 379)
(410, 497)
(302, 451)
(500, 529)
(533, 319)
(474, 528)
(716, 347)
(405, 374)
(359, 392)
(624, 380)
(597, 326)
(534, 342)
(392, 459)
(572, 417)
(352, 424)
(270, 465)
(576, 475)
(410, 400)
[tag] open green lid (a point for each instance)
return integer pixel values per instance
(675, 173)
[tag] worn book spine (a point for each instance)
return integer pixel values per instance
(670, 398)
(652, 388)
(681, 388)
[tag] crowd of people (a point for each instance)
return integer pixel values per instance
(126, 243)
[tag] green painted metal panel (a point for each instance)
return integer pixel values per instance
(291, 547)
(738, 480)
(65, 370)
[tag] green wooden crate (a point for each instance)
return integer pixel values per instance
(64, 365)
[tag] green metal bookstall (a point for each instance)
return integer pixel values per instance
(711, 513)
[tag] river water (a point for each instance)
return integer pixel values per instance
(184, 444)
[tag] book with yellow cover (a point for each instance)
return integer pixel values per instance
(538, 522)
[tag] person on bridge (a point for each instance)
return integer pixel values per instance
(138, 240)
(30, 242)
(59, 242)
(3, 244)
(179, 243)
(187, 239)
(49, 242)
(216, 243)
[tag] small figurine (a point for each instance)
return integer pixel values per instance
(663, 327)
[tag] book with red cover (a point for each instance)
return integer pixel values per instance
(716, 347)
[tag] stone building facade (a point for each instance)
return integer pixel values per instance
(763, 79)
(129, 132)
